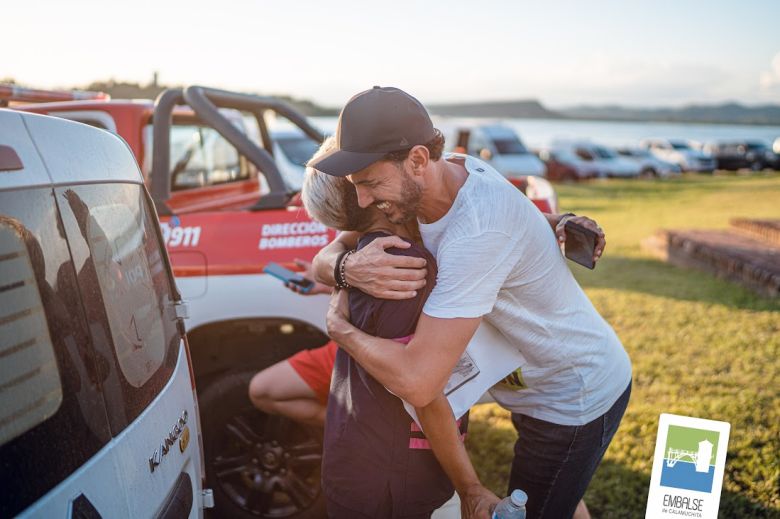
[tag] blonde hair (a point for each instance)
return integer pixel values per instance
(331, 200)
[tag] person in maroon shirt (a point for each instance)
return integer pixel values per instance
(376, 461)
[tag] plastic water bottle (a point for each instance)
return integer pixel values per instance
(511, 507)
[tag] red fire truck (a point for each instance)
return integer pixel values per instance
(226, 211)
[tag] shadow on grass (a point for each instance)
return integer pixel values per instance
(656, 278)
(617, 491)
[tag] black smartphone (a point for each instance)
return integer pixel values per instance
(580, 244)
(288, 276)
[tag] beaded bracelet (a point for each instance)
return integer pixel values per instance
(339, 274)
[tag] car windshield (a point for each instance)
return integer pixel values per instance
(565, 156)
(604, 153)
(509, 146)
(680, 145)
(584, 154)
(298, 149)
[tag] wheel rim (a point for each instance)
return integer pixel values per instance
(267, 465)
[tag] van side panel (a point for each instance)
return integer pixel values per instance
(13, 133)
(75, 151)
(123, 467)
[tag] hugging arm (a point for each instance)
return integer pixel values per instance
(416, 372)
(442, 432)
(388, 276)
(371, 269)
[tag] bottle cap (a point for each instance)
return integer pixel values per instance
(519, 498)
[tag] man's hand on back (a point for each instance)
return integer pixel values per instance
(601, 242)
(477, 503)
(383, 275)
(337, 320)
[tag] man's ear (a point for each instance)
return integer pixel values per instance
(419, 156)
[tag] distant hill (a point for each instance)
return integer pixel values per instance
(125, 90)
(726, 113)
(525, 108)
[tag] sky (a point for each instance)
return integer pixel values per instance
(563, 53)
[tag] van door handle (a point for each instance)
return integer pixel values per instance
(82, 508)
(9, 159)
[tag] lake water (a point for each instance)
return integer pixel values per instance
(684, 475)
(539, 133)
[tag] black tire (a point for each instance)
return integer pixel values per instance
(648, 173)
(258, 465)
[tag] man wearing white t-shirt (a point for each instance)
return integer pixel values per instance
(497, 260)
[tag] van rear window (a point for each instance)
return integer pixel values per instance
(128, 295)
(30, 387)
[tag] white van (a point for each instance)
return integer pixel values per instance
(499, 146)
(607, 161)
(98, 415)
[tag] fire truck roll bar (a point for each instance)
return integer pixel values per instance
(160, 182)
(205, 102)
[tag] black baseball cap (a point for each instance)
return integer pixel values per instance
(373, 123)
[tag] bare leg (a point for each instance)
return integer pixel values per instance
(279, 389)
(582, 511)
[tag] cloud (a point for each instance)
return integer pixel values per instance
(770, 80)
(599, 78)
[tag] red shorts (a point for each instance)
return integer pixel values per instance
(315, 368)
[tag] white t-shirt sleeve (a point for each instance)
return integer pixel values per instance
(471, 272)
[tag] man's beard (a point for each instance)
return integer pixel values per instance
(411, 193)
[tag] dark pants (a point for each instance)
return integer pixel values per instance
(336, 511)
(554, 463)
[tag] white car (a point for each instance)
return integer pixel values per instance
(649, 164)
(499, 146)
(98, 413)
(680, 152)
(292, 149)
(606, 161)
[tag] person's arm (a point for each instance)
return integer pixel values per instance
(371, 269)
(471, 272)
(416, 372)
(442, 432)
(308, 273)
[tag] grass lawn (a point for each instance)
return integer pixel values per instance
(699, 346)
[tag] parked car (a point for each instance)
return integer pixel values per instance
(563, 165)
(500, 146)
(680, 152)
(734, 155)
(98, 413)
(607, 162)
(292, 149)
(649, 164)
